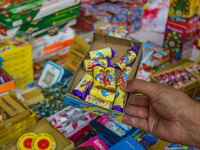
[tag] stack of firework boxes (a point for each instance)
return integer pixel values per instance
(15, 118)
(116, 13)
(181, 27)
(36, 17)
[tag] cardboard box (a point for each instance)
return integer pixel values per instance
(70, 67)
(43, 126)
(120, 46)
(74, 57)
(183, 8)
(33, 96)
(190, 88)
(7, 86)
(19, 118)
(19, 14)
(80, 45)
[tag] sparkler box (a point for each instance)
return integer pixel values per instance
(183, 8)
(31, 10)
(179, 40)
(120, 46)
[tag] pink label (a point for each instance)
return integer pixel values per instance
(96, 143)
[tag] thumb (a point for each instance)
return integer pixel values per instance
(140, 86)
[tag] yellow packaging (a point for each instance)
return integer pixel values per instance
(17, 56)
(24, 142)
(80, 89)
(126, 59)
(110, 79)
(99, 102)
(101, 53)
(44, 141)
(124, 75)
(89, 64)
(99, 77)
(119, 100)
(102, 94)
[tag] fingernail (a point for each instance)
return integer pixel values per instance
(123, 85)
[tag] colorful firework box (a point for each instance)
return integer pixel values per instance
(127, 143)
(183, 8)
(179, 40)
(19, 14)
(120, 46)
(154, 57)
(118, 128)
(134, 26)
(97, 143)
(135, 12)
(42, 23)
(9, 85)
(56, 42)
(183, 22)
(43, 126)
(17, 117)
(70, 120)
(148, 141)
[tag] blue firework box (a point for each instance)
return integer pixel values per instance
(99, 42)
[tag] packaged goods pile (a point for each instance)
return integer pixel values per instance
(99, 74)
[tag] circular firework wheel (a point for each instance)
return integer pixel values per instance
(24, 142)
(44, 141)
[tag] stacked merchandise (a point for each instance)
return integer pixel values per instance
(7, 83)
(154, 57)
(181, 27)
(34, 18)
(53, 42)
(16, 56)
(111, 18)
(15, 118)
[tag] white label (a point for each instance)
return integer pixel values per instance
(17, 23)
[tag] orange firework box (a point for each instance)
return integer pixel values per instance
(7, 86)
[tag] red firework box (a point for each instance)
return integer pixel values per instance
(183, 8)
(183, 22)
(179, 40)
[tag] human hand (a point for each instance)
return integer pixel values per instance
(165, 112)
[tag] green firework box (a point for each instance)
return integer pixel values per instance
(42, 23)
(30, 10)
